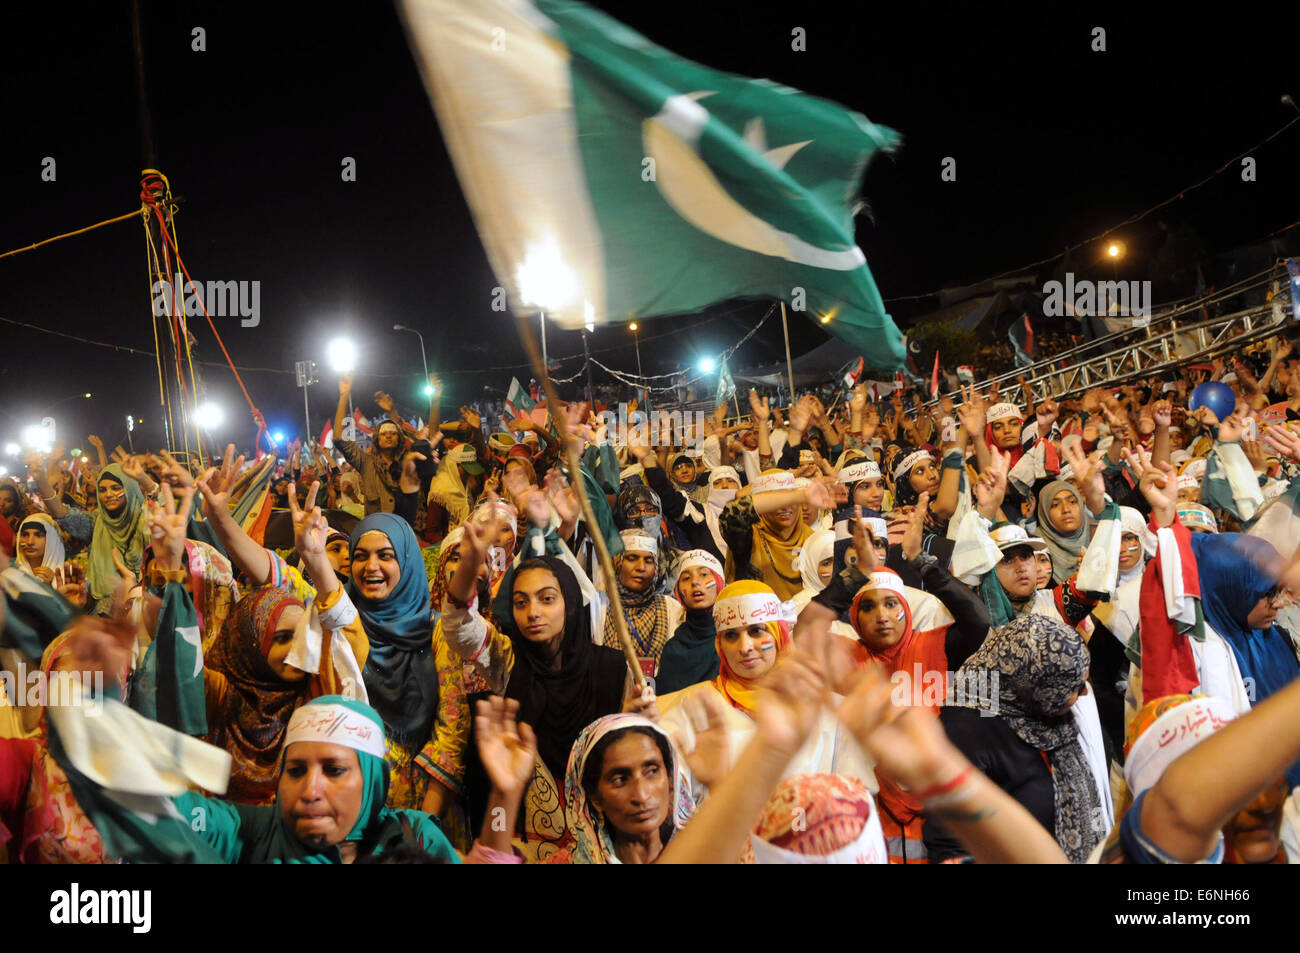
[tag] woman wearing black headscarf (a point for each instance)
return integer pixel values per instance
(1009, 710)
(542, 654)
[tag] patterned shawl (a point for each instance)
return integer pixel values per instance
(646, 614)
(1036, 664)
(254, 712)
(593, 843)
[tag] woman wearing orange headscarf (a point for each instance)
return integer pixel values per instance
(917, 637)
(753, 628)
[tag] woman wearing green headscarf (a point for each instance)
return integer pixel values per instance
(118, 525)
(329, 808)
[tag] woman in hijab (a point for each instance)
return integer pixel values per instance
(690, 655)
(816, 564)
(251, 692)
(118, 525)
(724, 484)
(329, 806)
(538, 650)
(40, 547)
(390, 633)
(1115, 623)
(651, 617)
(626, 792)
(1009, 711)
(765, 531)
(1065, 523)
(685, 476)
(1240, 596)
(754, 631)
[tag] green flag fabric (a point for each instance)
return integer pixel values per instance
(611, 179)
(726, 384)
(168, 686)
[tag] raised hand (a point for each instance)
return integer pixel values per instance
(345, 386)
(310, 529)
(915, 532)
(801, 414)
(173, 471)
(506, 746)
(70, 581)
(534, 506)
(1282, 439)
(759, 409)
(384, 401)
(217, 483)
(562, 496)
(908, 743)
(1255, 454)
(1159, 484)
(791, 697)
(824, 494)
(971, 412)
(473, 555)
(858, 399)
(710, 757)
(1086, 474)
(1047, 413)
(471, 417)
(168, 525)
(1162, 413)
(410, 479)
(991, 487)
(868, 558)
(95, 442)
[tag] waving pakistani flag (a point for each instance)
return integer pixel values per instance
(610, 179)
(168, 686)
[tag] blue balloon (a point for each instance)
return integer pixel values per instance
(1216, 396)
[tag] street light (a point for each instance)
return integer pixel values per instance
(209, 416)
(277, 437)
(342, 354)
(428, 388)
(546, 282)
(707, 365)
(12, 449)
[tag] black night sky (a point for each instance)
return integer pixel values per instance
(1053, 143)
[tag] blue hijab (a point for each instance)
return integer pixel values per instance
(1231, 567)
(401, 674)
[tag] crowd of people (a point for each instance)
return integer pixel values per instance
(846, 631)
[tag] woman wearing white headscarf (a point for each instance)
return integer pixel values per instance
(39, 546)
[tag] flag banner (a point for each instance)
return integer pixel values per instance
(965, 374)
(519, 403)
(726, 385)
(851, 373)
(1022, 340)
(609, 177)
(168, 687)
(934, 377)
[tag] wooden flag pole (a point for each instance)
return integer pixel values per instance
(789, 365)
(575, 476)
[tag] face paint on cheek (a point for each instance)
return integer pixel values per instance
(767, 644)
(901, 616)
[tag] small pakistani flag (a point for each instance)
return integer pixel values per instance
(726, 385)
(518, 401)
(610, 178)
(168, 686)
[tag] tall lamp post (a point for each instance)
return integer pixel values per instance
(423, 360)
(636, 340)
(306, 371)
